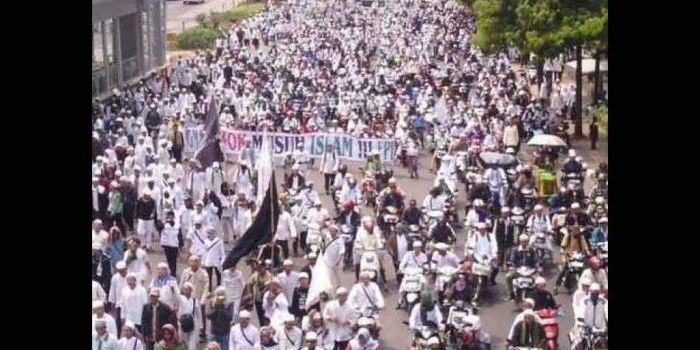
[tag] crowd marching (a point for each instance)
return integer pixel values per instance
(403, 70)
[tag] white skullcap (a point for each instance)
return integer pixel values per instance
(603, 220)
(162, 265)
(318, 202)
(595, 287)
(442, 246)
(505, 210)
(433, 341)
(244, 314)
(481, 225)
(575, 206)
(130, 325)
(311, 336)
(312, 255)
(539, 207)
(341, 290)
(288, 262)
(365, 274)
(303, 275)
(572, 153)
(98, 304)
(524, 237)
(100, 322)
(198, 220)
(121, 265)
(97, 246)
(540, 280)
(288, 318)
(529, 301)
(417, 244)
(528, 312)
(585, 281)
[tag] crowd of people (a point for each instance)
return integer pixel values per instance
(404, 70)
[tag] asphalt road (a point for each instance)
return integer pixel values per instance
(177, 13)
(496, 314)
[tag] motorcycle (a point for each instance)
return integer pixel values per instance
(369, 261)
(420, 339)
(481, 268)
(415, 233)
(524, 283)
(573, 181)
(575, 267)
(542, 248)
(389, 219)
(411, 286)
(445, 276)
(314, 238)
(550, 323)
(592, 339)
(369, 190)
(368, 318)
(602, 252)
(434, 216)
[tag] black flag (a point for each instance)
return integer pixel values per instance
(261, 231)
(210, 150)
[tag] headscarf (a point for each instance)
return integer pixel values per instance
(174, 341)
(363, 332)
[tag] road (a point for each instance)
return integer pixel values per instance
(496, 314)
(177, 13)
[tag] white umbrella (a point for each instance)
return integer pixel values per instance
(546, 140)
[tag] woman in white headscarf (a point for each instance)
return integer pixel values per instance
(363, 341)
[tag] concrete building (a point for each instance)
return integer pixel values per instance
(128, 41)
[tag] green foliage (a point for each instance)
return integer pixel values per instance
(601, 112)
(198, 38)
(238, 13)
(201, 19)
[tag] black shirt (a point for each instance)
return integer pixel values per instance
(144, 209)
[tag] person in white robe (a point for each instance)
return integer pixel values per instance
(275, 303)
(366, 294)
(233, 282)
(243, 178)
(133, 298)
(333, 256)
(101, 339)
(339, 316)
(129, 340)
(214, 178)
(288, 279)
(289, 337)
(98, 313)
(98, 293)
(243, 335)
(189, 305)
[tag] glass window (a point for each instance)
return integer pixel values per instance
(97, 52)
(109, 36)
(146, 41)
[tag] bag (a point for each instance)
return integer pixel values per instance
(187, 320)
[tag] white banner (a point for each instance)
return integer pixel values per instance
(348, 147)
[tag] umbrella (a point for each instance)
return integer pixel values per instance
(546, 140)
(493, 158)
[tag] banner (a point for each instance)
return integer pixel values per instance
(347, 147)
(193, 138)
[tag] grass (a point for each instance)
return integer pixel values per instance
(202, 37)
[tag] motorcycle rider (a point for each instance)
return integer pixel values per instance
(425, 313)
(477, 214)
(478, 192)
(475, 335)
(572, 242)
(414, 258)
(563, 198)
(543, 298)
(442, 232)
(392, 196)
(579, 295)
(595, 273)
(523, 255)
(600, 188)
(412, 215)
(295, 180)
(526, 333)
(538, 221)
(368, 237)
(443, 257)
(434, 201)
(372, 163)
(571, 165)
(366, 294)
(594, 309)
(362, 341)
(350, 192)
(484, 244)
(600, 233)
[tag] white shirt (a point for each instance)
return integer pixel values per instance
(285, 227)
(350, 194)
(189, 306)
(483, 245)
(197, 237)
(168, 236)
(359, 299)
(431, 203)
(133, 301)
(415, 321)
(600, 277)
(237, 340)
(329, 162)
(128, 344)
(401, 246)
(214, 252)
(288, 282)
(595, 315)
(279, 304)
(343, 313)
(111, 324)
(450, 259)
(109, 342)
(118, 283)
(413, 260)
(234, 284)
(97, 292)
(137, 266)
(333, 254)
(317, 216)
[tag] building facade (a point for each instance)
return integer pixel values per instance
(128, 41)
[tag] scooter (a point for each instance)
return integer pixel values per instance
(550, 323)
(369, 261)
(420, 339)
(368, 319)
(411, 286)
(524, 283)
(575, 267)
(482, 268)
(542, 248)
(346, 234)
(415, 233)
